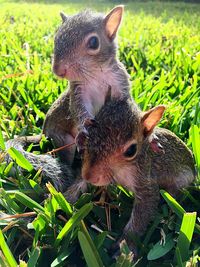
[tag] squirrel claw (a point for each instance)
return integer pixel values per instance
(120, 247)
(80, 139)
(83, 133)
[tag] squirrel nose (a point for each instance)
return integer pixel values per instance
(60, 70)
(90, 178)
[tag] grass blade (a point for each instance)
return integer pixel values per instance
(73, 221)
(90, 243)
(176, 207)
(27, 201)
(61, 258)
(2, 144)
(6, 251)
(33, 257)
(65, 206)
(20, 159)
(195, 137)
(126, 257)
(159, 250)
(11, 204)
(88, 251)
(173, 204)
(178, 258)
(185, 236)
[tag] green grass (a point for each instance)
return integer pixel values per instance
(159, 43)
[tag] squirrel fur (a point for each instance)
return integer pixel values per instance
(117, 143)
(85, 54)
(118, 150)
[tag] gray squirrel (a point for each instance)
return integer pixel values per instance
(117, 149)
(85, 54)
(117, 139)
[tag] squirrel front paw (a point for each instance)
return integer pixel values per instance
(83, 134)
(121, 247)
(80, 139)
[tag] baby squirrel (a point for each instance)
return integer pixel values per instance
(119, 145)
(118, 150)
(85, 54)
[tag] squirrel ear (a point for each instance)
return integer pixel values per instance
(63, 16)
(151, 118)
(112, 21)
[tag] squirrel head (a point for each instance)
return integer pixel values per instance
(85, 43)
(116, 141)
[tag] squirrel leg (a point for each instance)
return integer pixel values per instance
(144, 210)
(82, 110)
(60, 126)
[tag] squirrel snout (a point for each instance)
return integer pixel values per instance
(60, 70)
(89, 177)
(91, 180)
(96, 179)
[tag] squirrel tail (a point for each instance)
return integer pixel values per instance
(60, 174)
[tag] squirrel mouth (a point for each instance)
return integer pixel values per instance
(69, 75)
(96, 175)
(64, 74)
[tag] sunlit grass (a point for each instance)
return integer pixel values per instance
(159, 43)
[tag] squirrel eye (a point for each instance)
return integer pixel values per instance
(93, 43)
(131, 151)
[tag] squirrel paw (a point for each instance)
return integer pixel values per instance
(80, 139)
(122, 247)
(83, 133)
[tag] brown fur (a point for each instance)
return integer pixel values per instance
(120, 124)
(90, 73)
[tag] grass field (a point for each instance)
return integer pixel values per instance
(159, 43)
